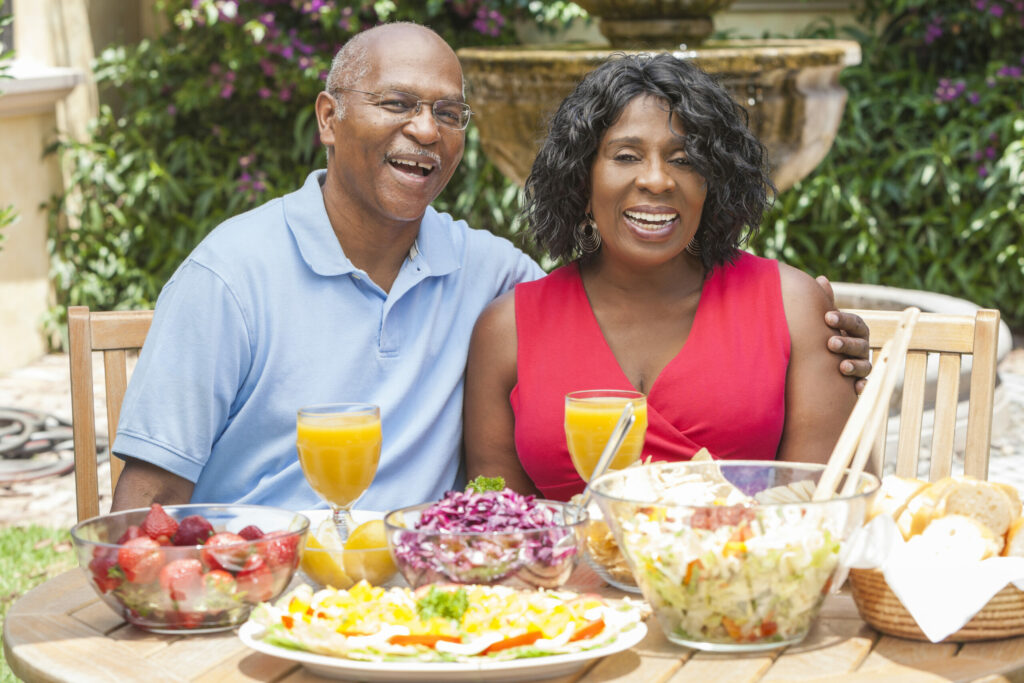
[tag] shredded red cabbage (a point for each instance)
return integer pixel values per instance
(485, 538)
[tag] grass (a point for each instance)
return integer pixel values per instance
(29, 555)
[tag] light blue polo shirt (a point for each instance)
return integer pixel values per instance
(267, 315)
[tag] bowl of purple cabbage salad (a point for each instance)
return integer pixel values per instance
(487, 535)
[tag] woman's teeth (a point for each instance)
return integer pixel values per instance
(653, 220)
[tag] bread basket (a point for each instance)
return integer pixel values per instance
(1001, 617)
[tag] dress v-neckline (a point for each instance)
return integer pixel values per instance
(677, 358)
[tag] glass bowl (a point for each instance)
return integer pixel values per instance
(198, 588)
(535, 558)
(721, 572)
(604, 555)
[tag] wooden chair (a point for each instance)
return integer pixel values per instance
(114, 333)
(950, 337)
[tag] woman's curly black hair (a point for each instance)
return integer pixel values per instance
(718, 145)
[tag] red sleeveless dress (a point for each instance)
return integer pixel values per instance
(725, 390)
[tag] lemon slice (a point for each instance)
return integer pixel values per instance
(323, 560)
(367, 555)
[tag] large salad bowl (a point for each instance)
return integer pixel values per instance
(732, 556)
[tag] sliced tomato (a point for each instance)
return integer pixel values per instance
(769, 629)
(588, 630)
(428, 639)
(528, 638)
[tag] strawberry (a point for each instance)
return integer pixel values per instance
(182, 580)
(251, 533)
(129, 533)
(159, 525)
(225, 550)
(193, 530)
(219, 581)
(103, 561)
(220, 589)
(280, 549)
(184, 619)
(255, 581)
(140, 559)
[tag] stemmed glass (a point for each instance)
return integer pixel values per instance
(590, 417)
(339, 449)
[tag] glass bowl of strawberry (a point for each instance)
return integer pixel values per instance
(190, 568)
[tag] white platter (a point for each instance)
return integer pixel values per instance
(442, 672)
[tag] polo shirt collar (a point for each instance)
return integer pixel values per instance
(306, 216)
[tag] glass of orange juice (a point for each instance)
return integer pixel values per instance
(590, 417)
(339, 448)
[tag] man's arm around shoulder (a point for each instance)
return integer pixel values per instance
(142, 484)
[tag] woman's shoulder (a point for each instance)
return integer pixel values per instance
(559, 279)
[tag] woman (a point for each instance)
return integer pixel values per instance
(651, 178)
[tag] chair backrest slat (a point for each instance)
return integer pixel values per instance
(950, 337)
(114, 333)
(983, 386)
(944, 422)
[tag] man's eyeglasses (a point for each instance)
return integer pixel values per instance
(404, 106)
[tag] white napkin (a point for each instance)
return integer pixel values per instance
(941, 597)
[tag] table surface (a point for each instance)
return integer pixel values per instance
(61, 631)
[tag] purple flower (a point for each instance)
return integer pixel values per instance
(287, 52)
(305, 62)
(488, 22)
(267, 19)
(1009, 71)
(230, 77)
(973, 97)
(216, 69)
(264, 93)
(227, 91)
(949, 91)
(980, 5)
(245, 160)
(990, 152)
(284, 95)
(977, 155)
(172, 110)
(983, 171)
(995, 10)
(267, 66)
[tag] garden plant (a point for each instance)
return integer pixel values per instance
(924, 186)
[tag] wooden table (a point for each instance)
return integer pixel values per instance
(60, 631)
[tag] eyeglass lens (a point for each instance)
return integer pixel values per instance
(449, 113)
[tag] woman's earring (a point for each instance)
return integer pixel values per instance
(588, 239)
(693, 248)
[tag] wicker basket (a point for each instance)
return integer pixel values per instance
(1002, 617)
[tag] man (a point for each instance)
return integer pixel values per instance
(352, 289)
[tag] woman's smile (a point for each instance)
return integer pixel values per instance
(651, 223)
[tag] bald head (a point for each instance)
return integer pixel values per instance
(369, 49)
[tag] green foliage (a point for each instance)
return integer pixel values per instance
(214, 117)
(28, 556)
(924, 185)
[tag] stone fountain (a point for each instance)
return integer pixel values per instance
(789, 87)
